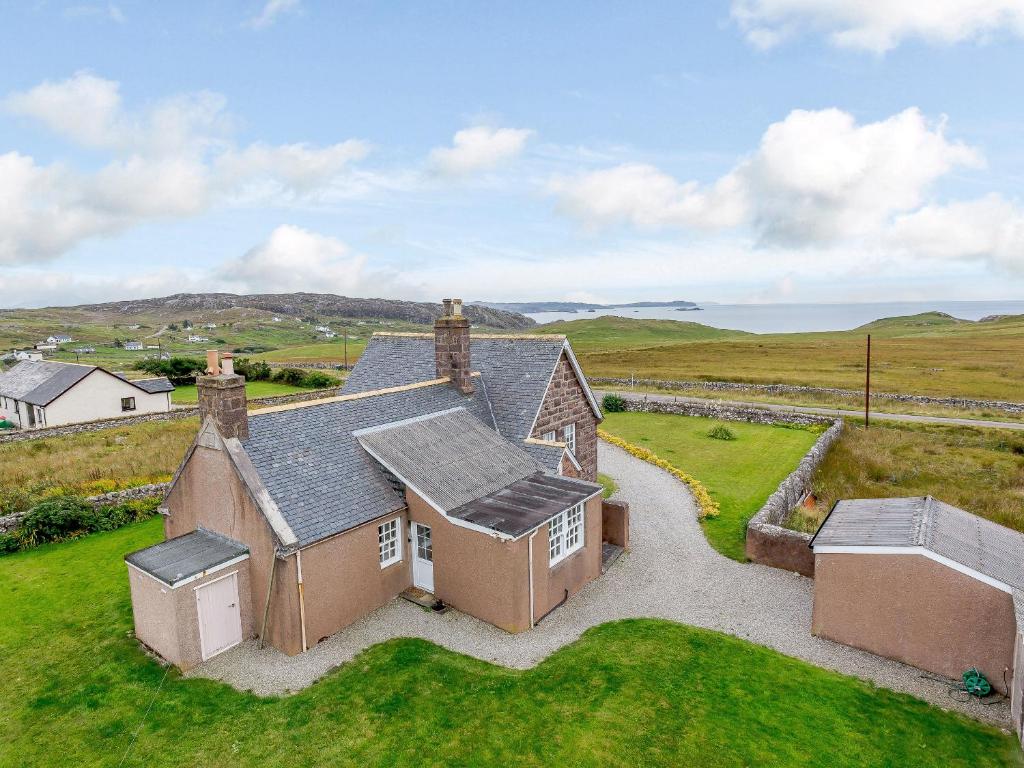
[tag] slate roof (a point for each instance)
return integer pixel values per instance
(525, 504)
(450, 457)
(953, 533)
(514, 371)
(179, 558)
(39, 382)
(322, 480)
(153, 386)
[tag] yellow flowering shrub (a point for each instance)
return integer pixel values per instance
(707, 506)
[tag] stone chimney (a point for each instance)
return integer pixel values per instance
(451, 346)
(222, 396)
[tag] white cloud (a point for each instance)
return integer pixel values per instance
(877, 25)
(272, 11)
(174, 158)
(109, 12)
(295, 259)
(478, 148)
(817, 177)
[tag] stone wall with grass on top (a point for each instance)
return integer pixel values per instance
(9, 522)
(796, 389)
(768, 542)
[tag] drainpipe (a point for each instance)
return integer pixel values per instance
(302, 602)
(529, 546)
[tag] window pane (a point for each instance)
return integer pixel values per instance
(424, 549)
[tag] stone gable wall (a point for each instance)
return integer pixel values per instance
(565, 403)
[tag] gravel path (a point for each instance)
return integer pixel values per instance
(671, 572)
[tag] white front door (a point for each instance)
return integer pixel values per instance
(220, 618)
(422, 558)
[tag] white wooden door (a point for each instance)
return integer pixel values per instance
(220, 618)
(422, 558)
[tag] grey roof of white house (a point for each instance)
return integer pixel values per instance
(973, 542)
(179, 558)
(322, 480)
(450, 457)
(40, 382)
(514, 371)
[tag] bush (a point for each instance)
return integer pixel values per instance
(292, 376)
(721, 432)
(180, 370)
(9, 543)
(317, 380)
(613, 404)
(65, 517)
(253, 370)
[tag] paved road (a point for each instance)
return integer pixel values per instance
(835, 412)
(670, 572)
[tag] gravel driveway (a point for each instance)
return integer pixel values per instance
(671, 572)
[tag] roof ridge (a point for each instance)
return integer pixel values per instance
(352, 396)
(521, 336)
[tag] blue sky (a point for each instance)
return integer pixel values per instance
(756, 150)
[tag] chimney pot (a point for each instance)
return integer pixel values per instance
(447, 310)
(227, 364)
(212, 366)
(456, 307)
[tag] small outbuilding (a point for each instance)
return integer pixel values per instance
(190, 596)
(922, 582)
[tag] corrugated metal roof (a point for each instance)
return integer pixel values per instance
(41, 381)
(179, 558)
(450, 457)
(973, 542)
(525, 504)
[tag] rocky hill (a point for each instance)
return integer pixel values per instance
(325, 305)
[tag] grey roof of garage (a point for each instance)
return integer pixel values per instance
(185, 556)
(450, 457)
(925, 522)
(153, 386)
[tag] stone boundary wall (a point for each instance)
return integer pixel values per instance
(723, 411)
(15, 436)
(9, 522)
(321, 366)
(768, 542)
(789, 389)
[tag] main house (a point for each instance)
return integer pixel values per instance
(462, 467)
(43, 393)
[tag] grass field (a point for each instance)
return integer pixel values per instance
(186, 393)
(924, 354)
(980, 470)
(740, 474)
(91, 462)
(640, 692)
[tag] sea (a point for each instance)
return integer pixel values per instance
(797, 318)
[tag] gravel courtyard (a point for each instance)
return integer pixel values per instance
(670, 573)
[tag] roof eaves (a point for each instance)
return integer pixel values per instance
(260, 495)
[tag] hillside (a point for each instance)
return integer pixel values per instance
(613, 332)
(319, 305)
(577, 306)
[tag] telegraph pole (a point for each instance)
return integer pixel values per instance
(867, 387)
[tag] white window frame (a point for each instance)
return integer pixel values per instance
(548, 436)
(570, 437)
(389, 540)
(566, 534)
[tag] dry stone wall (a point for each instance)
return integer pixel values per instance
(186, 412)
(9, 522)
(777, 389)
(723, 411)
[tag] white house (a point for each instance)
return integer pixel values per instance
(38, 393)
(323, 328)
(329, 334)
(58, 339)
(193, 339)
(23, 354)
(46, 347)
(133, 346)
(210, 326)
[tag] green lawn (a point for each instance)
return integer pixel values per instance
(186, 393)
(740, 474)
(642, 692)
